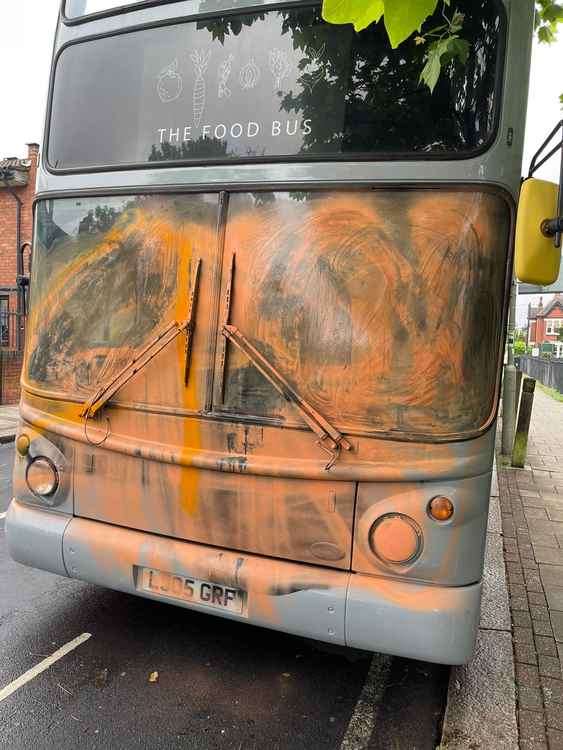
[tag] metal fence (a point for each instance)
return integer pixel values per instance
(12, 330)
(547, 371)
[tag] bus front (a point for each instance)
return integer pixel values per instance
(270, 276)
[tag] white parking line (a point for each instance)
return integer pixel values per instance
(43, 665)
(362, 723)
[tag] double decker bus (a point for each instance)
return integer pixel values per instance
(269, 288)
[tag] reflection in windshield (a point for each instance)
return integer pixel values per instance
(387, 109)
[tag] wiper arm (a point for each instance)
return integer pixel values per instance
(330, 439)
(172, 330)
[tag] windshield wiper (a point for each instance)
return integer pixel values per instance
(167, 335)
(330, 439)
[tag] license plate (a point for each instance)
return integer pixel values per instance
(193, 590)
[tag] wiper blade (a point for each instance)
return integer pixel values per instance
(189, 324)
(148, 353)
(109, 389)
(330, 439)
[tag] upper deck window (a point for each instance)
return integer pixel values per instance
(269, 84)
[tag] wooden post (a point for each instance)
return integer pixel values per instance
(520, 447)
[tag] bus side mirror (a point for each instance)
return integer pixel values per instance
(539, 224)
(537, 259)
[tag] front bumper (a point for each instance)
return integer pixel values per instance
(419, 621)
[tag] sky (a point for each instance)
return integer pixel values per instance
(26, 41)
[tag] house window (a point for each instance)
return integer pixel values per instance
(553, 325)
(4, 321)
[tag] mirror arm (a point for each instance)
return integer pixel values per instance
(534, 165)
(559, 229)
(551, 227)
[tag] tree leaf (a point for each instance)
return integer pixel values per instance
(358, 12)
(433, 67)
(545, 35)
(459, 48)
(439, 54)
(553, 13)
(457, 22)
(403, 17)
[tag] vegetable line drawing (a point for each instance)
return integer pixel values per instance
(316, 75)
(279, 66)
(224, 73)
(200, 59)
(169, 83)
(249, 75)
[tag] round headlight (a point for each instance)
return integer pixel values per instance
(42, 477)
(395, 538)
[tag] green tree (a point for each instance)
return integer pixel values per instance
(442, 43)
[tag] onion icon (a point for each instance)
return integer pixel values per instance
(249, 75)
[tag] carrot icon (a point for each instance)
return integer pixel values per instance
(200, 60)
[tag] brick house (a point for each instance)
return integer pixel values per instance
(544, 322)
(17, 189)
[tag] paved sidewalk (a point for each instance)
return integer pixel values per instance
(8, 423)
(480, 711)
(531, 501)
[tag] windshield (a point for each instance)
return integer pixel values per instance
(381, 308)
(274, 83)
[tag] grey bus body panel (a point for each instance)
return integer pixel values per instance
(434, 623)
(35, 537)
(403, 461)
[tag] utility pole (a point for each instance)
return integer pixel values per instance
(509, 383)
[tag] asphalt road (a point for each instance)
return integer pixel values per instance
(219, 684)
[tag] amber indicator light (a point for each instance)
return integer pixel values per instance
(22, 444)
(440, 508)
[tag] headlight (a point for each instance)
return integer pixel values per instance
(396, 538)
(42, 477)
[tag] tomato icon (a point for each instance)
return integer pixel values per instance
(169, 84)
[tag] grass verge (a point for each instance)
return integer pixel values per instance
(550, 391)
